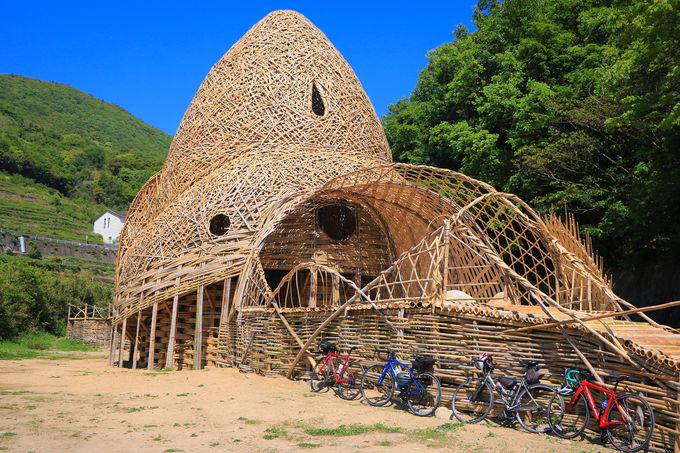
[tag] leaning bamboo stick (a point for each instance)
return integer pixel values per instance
(597, 317)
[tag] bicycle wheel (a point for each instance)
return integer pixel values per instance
(377, 394)
(318, 377)
(568, 424)
(531, 409)
(424, 393)
(636, 430)
(472, 400)
(350, 389)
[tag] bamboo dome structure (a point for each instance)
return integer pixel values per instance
(279, 218)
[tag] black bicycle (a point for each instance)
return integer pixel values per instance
(524, 398)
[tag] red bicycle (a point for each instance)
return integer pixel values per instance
(627, 419)
(345, 377)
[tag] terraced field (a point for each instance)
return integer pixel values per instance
(27, 207)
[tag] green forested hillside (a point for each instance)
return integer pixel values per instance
(568, 103)
(66, 156)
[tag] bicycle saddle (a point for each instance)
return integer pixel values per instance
(617, 377)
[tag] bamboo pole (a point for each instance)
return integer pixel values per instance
(133, 349)
(169, 359)
(226, 294)
(112, 343)
(198, 332)
(597, 317)
(152, 337)
(123, 333)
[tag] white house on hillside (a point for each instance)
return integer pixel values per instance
(109, 225)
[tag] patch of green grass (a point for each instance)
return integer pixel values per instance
(438, 433)
(384, 443)
(182, 394)
(248, 421)
(308, 445)
(352, 430)
(41, 346)
(137, 409)
(490, 434)
(274, 433)
(8, 434)
(311, 395)
(158, 438)
(71, 344)
(173, 450)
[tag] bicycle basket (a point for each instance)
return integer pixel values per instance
(423, 363)
(326, 346)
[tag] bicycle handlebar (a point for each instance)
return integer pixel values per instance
(378, 351)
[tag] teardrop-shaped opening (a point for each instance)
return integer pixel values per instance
(318, 107)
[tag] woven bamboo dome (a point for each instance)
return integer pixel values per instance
(279, 218)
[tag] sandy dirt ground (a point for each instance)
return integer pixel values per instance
(85, 406)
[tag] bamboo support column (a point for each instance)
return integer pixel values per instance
(152, 337)
(135, 346)
(198, 332)
(677, 424)
(226, 294)
(123, 332)
(312, 287)
(112, 343)
(173, 327)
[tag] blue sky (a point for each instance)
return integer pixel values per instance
(150, 57)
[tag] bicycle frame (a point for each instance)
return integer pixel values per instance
(329, 359)
(611, 402)
(389, 367)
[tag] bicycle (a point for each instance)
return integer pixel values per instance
(524, 398)
(344, 378)
(418, 388)
(625, 426)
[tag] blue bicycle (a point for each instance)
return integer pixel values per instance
(418, 388)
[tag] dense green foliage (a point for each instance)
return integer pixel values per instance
(34, 295)
(77, 145)
(568, 103)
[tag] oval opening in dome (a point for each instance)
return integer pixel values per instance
(219, 224)
(338, 221)
(318, 106)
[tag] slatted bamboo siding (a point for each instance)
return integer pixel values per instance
(228, 257)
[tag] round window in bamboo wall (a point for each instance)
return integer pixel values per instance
(338, 221)
(219, 224)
